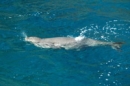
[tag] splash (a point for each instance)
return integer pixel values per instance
(24, 35)
(111, 31)
(81, 36)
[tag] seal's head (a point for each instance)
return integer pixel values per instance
(32, 39)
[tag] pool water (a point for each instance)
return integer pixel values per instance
(23, 64)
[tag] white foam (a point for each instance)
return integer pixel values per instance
(109, 32)
(81, 36)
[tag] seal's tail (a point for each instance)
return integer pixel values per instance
(117, 45)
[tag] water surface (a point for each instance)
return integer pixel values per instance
(23, 64)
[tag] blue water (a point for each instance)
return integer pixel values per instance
(23, 64)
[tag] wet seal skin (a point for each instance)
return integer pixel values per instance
(70, 42)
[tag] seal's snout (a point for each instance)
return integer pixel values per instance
(26, 38)
(32, 39)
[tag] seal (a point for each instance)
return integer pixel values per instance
(70, 43)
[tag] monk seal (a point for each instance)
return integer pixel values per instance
(70, 43)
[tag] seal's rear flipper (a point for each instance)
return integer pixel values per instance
(117, 45)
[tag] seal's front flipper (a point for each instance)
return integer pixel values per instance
(117, 45)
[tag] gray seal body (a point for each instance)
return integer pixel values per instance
(69, 43)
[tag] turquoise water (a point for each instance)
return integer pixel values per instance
(23, 64)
